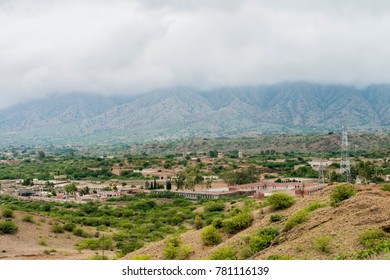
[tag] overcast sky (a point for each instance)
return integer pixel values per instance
(127, 47)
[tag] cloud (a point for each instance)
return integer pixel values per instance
(125, 47)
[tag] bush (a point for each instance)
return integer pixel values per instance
(69, 227)
(141, 258)
(8, 213)
(8, 227)
(42, 241)
(80, 232)
(275, 218)
(280, 201)
(262, 239)
(238, 222)
(198, 222)
(214, 206)
(217, 222)
(371, 237)
(210, 236)
(28, 219)
(315, 205)
(224, 253)
(174, 249)
(295, 219)
(57, 229)
(103, 243)
(278, 257)
(386, 188)
(98, 257)
(340, 193)
(322, 244)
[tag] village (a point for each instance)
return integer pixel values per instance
(163, 177)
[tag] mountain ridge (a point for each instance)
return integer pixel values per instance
(185, 112)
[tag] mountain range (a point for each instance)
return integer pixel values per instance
(183, 112)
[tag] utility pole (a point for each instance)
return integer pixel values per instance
(345, 166)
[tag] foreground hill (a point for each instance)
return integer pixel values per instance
(182, 112)
(339, 227)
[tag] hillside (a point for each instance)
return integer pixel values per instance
(183, 113)
(368, 209)
(336, 228)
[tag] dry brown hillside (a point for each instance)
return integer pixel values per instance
(340, 226)
(35, 240)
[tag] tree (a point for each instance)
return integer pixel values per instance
(85, 190)
(179, 181)
(213, 154)
(41, 155)
(27, 182)
(208, 183)
(169, 185)
(70, 188)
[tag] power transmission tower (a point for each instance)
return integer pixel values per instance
(345, 166)
(321, 176)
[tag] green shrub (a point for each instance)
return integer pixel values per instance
(275, 218)
(280, 201)
(371, 237)
(224, 253)
(27, 219)
(210, 236)
(174, 249)
(198, 222)
(141, 258)
(98, 257)
(238, 222)
(69, 227)
(296, 218)
(184, 252)
(315, 205)
(42, 241)
(8, 227)
(128, 246)
(322, 243)
(217, 222)
(50, 252)
(103, 243)
(340, 193)
(57, 229)
(214, 206)
(262, 239)
(80, 232)
(278, 257)
(386, 188)
(8, 213)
